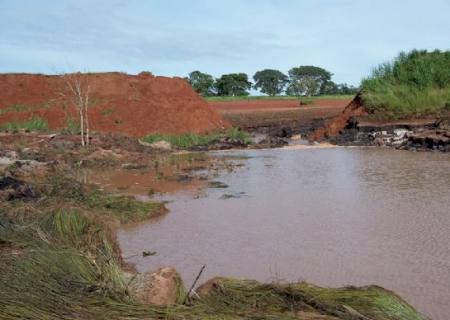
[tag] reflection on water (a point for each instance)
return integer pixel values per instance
(331, 216)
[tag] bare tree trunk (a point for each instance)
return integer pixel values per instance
(79, 92)
(86, 116)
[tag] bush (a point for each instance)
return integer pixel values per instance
(414, 84)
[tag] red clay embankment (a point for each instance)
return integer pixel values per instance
(334, 125)
(120, 103)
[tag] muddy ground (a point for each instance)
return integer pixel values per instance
(279, 117)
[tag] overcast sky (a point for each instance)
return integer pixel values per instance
(174, 37)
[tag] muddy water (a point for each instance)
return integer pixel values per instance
(332, 217)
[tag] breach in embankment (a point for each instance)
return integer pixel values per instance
(403, 104)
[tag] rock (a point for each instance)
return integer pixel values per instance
(62, 144)
(11, 189)
(160, 288)
(401, 133)
(285, 132)
(296, 137)
(133, 166)
(209, 287)
(217, 185)
(160, 145)
(4, 161)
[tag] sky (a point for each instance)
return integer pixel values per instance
(175, 37)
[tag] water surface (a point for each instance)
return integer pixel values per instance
(332, 217)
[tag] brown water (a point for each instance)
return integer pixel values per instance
(332, 217)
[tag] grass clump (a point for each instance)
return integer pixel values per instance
(235, 134)
(183, 141)
(190, 140)
(124, 208)
(254, 299)
(33, 124)
(414, 84)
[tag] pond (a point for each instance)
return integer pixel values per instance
(332, 217)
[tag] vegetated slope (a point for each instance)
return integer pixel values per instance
(120, 103)
(414, 84)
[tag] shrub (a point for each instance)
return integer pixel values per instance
(413, 84)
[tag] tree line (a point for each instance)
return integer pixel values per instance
(300, 81)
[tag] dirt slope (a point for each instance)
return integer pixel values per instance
(121, 103)
(333, 126)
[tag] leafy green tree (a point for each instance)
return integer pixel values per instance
(202, 83)
(332, 88)
(233, 84)
(269, 81)
(307, 80)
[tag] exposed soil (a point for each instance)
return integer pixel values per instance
(120, 103)
(333, 126)
(279, 117)
(273, 105)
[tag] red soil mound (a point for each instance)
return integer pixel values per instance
(120, 103)
(273, 105)
(335, 125)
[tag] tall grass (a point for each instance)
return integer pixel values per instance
(413, 84)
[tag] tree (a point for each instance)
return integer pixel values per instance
(202, 83)
(233, 84)
(307, 80)
(77, 92)
(271, 82)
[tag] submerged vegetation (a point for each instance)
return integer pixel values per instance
(189, 140)
(414, 84)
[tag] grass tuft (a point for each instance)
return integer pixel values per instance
(33, 124)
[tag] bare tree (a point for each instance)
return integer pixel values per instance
(78, 94)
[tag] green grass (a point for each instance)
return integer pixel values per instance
(250, 98)
(413, 84)
(33, 124)
(189, 140)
